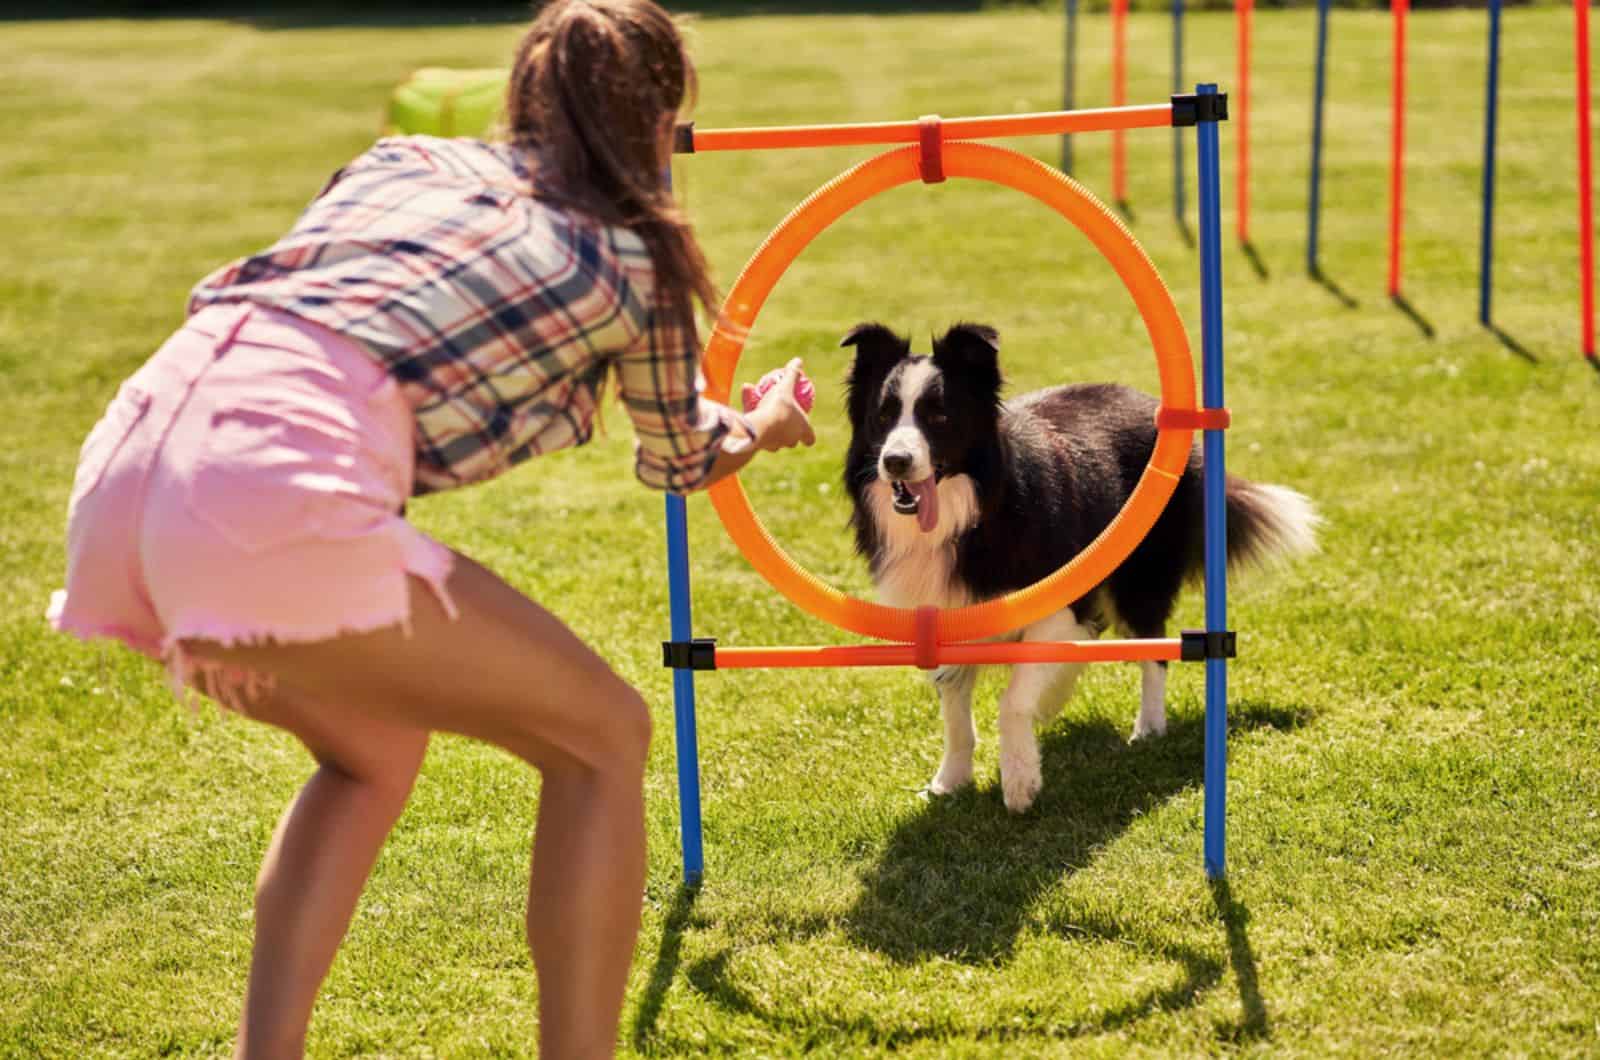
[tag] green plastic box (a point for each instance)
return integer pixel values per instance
(440, 101)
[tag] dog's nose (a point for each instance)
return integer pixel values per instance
(896, 464)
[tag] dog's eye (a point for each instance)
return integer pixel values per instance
(885, 417)
(937, 419)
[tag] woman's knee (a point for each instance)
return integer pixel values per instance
(636, 725)
(386, 770)
(621, 729)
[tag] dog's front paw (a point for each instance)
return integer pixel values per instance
(1020, 782)
(1146, 726)
(952, 777)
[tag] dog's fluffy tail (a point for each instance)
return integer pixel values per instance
(1268, 524)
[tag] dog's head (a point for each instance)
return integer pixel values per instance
(917, 420)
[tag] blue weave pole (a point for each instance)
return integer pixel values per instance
(1314, 207)
(1491, 107)
(1216, 549)
(1177, 133)
(683, 693)
(1069, 81)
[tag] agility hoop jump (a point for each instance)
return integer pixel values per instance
(929, 637)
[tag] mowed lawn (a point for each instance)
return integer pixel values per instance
(1414, 837)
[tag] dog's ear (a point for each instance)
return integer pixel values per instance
(970, 352)
(878, 350)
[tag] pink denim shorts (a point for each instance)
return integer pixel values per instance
(245, 486)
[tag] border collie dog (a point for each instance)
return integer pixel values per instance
(961, 497)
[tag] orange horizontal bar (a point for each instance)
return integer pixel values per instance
(1048, 123)
(982, 653)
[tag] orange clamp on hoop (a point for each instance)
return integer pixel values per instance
(930, 135)
(927, 644)
(1193, 419)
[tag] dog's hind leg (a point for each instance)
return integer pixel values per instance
(1037, 691)
(955, 684)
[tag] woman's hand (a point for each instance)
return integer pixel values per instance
(779, 420)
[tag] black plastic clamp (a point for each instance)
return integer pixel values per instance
(697, 654)
(683, 138)
(1197, 644)
(1190, 108)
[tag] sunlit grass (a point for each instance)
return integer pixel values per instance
(1413, 828)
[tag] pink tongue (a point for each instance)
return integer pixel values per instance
(927, 494)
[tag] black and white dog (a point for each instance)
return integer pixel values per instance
(961, 497)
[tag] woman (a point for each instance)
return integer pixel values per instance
(442, 311)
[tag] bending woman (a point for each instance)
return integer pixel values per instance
(443, 310)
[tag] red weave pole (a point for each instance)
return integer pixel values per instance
(1046, 123)
(967, 654)
(1585, 178)
(1119, 96)
(1243, 10)
(1397, 144)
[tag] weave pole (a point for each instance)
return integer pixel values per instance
(1177, 133)
(1119, 97)
(1580, 10)
(1243, 11)
(1314, 199)
(1397, 144)
(1069, 81)
(1490, 123)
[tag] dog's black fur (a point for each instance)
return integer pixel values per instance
(1050, 470)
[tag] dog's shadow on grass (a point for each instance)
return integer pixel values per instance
(959, 878)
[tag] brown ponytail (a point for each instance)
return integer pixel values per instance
(592, 85)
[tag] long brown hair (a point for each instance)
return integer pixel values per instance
(592, 85)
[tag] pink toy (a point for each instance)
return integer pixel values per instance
(804, 392)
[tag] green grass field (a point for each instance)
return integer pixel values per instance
(1414, 834)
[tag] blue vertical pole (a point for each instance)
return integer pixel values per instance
(1069, 81)
(683, 692)
(682, 624)
(1314, 209)
(1177, 86)
(1486, 242)
(1216, 548)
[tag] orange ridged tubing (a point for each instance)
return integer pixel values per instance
(1047, 123)
(1150, 295)
(1169, 649)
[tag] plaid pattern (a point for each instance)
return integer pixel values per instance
(498, 314)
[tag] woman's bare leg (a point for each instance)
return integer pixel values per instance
(319, 859)
(510, 673)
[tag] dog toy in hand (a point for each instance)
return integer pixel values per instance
(804, 392)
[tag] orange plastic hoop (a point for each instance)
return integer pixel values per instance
(1091, 566)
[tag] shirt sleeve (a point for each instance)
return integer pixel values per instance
(679, 434)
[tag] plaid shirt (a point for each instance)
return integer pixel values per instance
(498, 314)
